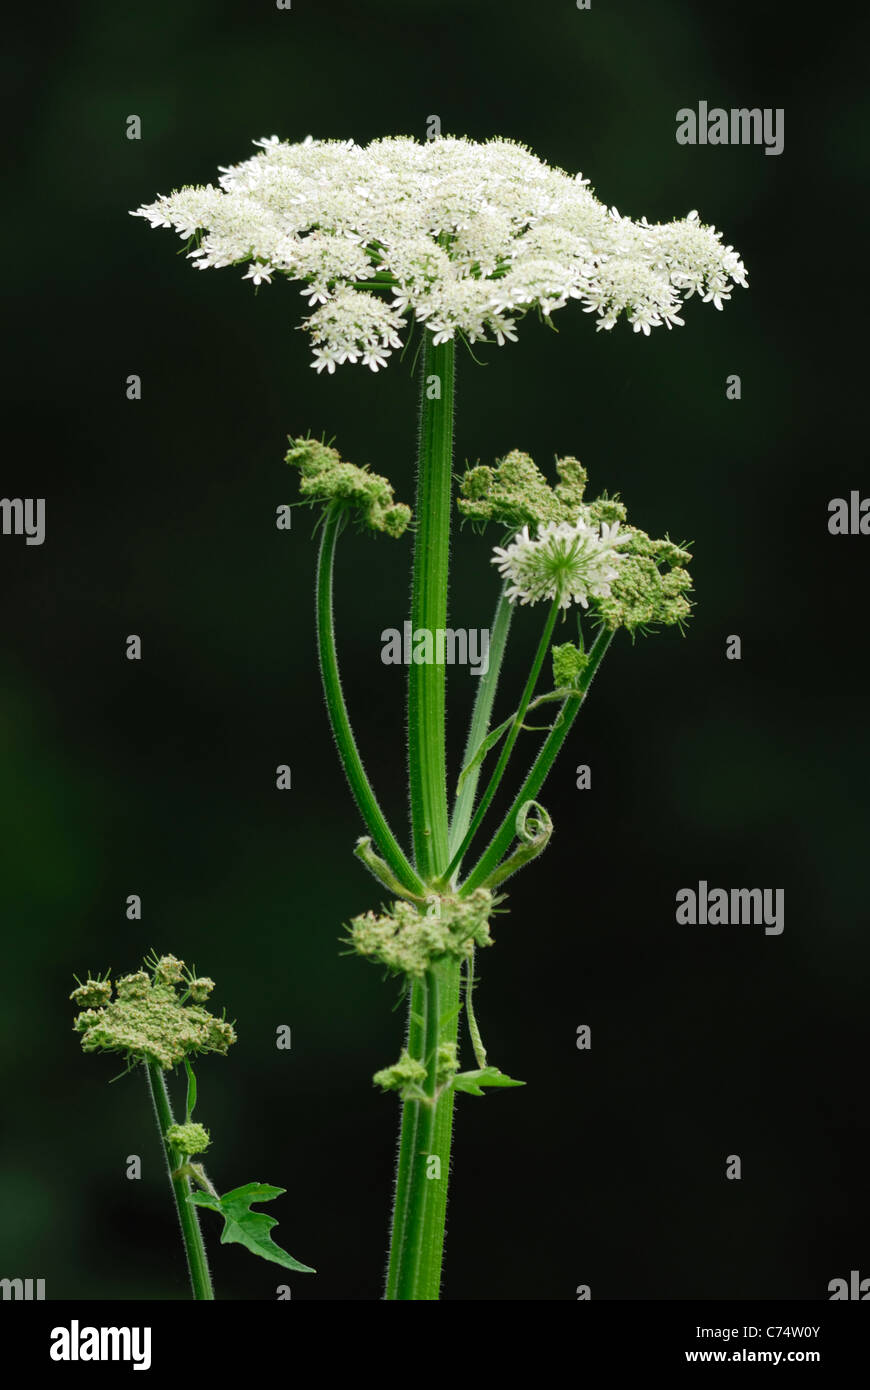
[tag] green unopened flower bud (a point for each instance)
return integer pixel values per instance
(189, 1138)
(92, 994)
(404, 1074)
(169, 970)
(201, 988)
(447, 1063)
(136, 986)
(569, 663)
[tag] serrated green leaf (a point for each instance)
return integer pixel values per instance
(249, 1228)
(472, 1082)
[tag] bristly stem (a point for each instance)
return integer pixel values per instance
(504, 836)
(480, 718)
(417, 1272)
(420, 1200)
(427, 768)
(194, 1249)
(510, 740)
(337, 709)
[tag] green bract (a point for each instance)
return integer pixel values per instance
(326, 478)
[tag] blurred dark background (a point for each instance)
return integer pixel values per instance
(158, 777)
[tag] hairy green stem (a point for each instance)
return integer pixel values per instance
(504, 836)
(194, 1248)
(420, 1201)
(426, 681)
(508, 745)
(418, 1274)
(348, 752)
(473, 1029)
(480, 718)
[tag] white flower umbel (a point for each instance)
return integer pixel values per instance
(563, 563)
(463, 237)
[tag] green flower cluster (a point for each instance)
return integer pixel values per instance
(516, 492)
(408, 1076)
(327, 478)
(569, 663)
(149, 1020)
(189, 1138)
(407, 941)
(652, 583)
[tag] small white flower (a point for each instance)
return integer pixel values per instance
(260, 274)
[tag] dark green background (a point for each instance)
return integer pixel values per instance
(157, 778)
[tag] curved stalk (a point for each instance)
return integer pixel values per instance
(504, 836)
(194, 1249)
(337, 709)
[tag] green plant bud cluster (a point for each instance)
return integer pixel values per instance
(517, 494)
(404, 1074)
(149, 1020)
(447, 1062)
(326, 478)
(407, 941)
(645, 595)
(92, 994)
(569, 663)
(188, 1139)
(652, 582)
(201, 988)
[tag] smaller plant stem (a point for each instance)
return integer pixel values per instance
(473, 1029)
(508, 745)
(197, 1262)
(501, 841)
(348, 752)
(480, 719)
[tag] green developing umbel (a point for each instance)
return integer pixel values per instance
(646, 584)
(155, 1016)
(326, 478)
(408, 942)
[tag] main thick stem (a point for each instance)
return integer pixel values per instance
(427, 769)
(194, 1249)
(423, 1168)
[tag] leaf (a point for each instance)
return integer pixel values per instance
(472, 1081)
(483, 748)
(249, 1228)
